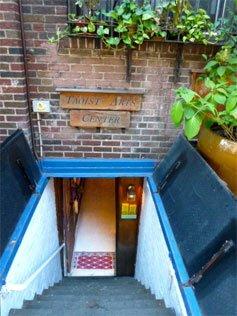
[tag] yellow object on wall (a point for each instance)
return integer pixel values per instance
(129, 211)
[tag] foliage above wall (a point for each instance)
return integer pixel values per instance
(130, 24)
(218, 106)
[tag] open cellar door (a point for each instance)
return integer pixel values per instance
(20, 174)
(202, 213)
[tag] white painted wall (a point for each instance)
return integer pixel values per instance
(96, 225)
(39, 242)
(154, 268)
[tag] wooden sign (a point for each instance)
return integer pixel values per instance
(100, 101)
(110, 119)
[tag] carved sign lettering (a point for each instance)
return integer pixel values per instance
(100, 101)
(110, 119)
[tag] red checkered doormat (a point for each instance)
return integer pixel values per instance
(93, 260)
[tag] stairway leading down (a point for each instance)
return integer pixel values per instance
(100, 296)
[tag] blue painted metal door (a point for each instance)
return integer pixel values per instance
(202, 214)
(20, 174)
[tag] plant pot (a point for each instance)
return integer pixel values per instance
(221, 154)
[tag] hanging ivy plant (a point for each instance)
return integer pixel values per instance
(129, 24)
(196, 26)
(132, 24)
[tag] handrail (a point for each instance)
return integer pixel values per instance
(22, 286)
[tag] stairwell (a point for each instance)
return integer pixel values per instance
(95, 296)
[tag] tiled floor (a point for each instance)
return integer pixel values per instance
(95, 234)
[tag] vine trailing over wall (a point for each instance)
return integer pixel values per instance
(129, 24)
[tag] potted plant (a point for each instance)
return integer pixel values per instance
(213, 117)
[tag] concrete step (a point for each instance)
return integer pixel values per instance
(104, 304)
(86, 312)
(97, 284)
(99, 296)
(61, 290)
(84, 297)
(98, 281)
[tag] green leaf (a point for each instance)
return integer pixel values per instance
(127, 16)
(163, 34)
(234, 114)
(144, 35)
(208, 106)
(113, 41)
(189, 112)
(101, 31)
(91, 27)
(121, 28)
(192, 126)
(209, 83)
(127, 40)
(120, 10)
(223, 91)
(84, 29)
(233, 61)
(231, 103)
(112, 14)
(219, 98)
(177, 112)
(139, 11)
(210, 64)
(221, 70)
(147, 16)
(186, 94)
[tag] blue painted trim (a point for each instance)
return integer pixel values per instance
(111, 168)
(188, 294)
(16, 237)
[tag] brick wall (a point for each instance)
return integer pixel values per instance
(77, 63)
(13, 113)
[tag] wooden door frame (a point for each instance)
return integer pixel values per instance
(137, 181)
(60, 215)
(59, 186)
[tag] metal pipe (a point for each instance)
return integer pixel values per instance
(26, 77)
(223, 10)
(40, 134)
(217, 10)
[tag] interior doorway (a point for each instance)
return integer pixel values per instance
(95, 235)
(98, 222)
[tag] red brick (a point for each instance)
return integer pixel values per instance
(150, 134)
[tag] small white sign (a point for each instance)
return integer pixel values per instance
(41, 106)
